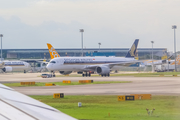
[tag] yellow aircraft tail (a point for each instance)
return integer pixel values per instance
(52, 51)
(177, 60)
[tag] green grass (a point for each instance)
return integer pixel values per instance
(156, 74)
(98, 107)
(62, 84)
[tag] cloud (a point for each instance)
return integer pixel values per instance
(20, 35)
(115, 21)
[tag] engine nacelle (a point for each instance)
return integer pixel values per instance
(7, 69)
(142, 65)
(103, 70)
(65, 72)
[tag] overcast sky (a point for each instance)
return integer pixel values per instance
(114, 23)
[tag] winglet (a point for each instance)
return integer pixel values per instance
(52, 51)
(132, 52)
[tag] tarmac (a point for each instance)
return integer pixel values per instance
(138, 85)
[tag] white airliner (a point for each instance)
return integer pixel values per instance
(100, 65)
(9, 66)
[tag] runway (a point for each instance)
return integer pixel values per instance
(139, 85)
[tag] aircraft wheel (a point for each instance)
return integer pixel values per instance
(104, 75)
(83, 75)
(101, 75)
(89, 74)
(108, 75)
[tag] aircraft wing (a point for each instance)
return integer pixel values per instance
(16, 106)
(34, 60)
(155, 62)
(110, 65)
(125, 64)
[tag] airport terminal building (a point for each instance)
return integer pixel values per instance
(143, 53)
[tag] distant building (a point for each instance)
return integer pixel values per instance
(143, 53)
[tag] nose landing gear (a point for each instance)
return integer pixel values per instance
(53, 74)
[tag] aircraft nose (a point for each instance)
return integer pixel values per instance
(48, 66)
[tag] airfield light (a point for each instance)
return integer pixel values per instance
(175, 27)
(99, 45)
(82, 30)
(152, 57)
(79, 104)
(1, 35)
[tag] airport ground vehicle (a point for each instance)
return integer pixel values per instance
(164, 68)
(46, 75)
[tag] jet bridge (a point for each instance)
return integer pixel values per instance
(37, 65)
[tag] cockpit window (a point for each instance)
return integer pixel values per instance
(52, 62)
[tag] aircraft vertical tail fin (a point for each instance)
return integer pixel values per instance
(2, 64)
(177, 60)
(132, 52)
(52, 51)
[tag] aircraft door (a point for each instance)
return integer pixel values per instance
(61, 61)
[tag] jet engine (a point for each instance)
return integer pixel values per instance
(103, 70)
(65, 72)
(142, 65)
(7, 69)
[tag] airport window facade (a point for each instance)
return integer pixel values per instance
(143, 53)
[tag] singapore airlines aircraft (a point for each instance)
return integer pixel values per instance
(9, 66)
(100, 65)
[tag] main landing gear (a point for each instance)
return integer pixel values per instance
(86, 74)
(104, 75)
(53, 74)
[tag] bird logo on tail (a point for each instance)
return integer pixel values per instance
(133, 48)
(132, 52)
